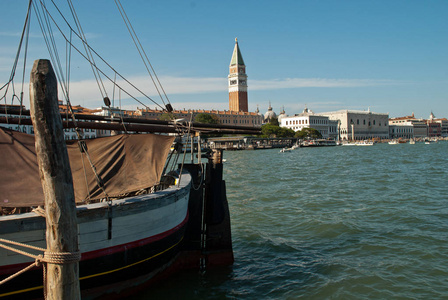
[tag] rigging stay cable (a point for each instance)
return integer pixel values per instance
(49, 40)
(28, 23)
(142, 52)
(97, 75)
(24, 36)
(45, 25)
(104, 61)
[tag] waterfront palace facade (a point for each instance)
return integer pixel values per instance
(342, 124)
(362, 125)
(308, 119)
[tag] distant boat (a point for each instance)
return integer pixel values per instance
(318, 143)
(412, 141)
(295, 146)
(358, 143)
(364, 143)
(286, 150)
(393, 142)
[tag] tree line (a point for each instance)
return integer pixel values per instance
(271, 129)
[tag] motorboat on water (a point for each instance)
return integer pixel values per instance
(364, 143)
(283, 150)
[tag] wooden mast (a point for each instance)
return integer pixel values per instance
(54, 168)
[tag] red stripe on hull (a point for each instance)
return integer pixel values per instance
(10, 269)
(134, 244)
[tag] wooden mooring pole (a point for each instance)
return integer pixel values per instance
(62, 255)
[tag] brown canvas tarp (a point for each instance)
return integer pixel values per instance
(126, 163)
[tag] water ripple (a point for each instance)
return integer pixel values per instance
(333, 223)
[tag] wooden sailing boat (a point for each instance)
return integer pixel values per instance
(135, 223)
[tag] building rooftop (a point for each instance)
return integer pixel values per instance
(367, 112)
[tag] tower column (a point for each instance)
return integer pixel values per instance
(238, 100)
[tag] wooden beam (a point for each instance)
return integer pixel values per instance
(134, 127)
(158, 124)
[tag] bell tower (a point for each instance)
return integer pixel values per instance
(237, 82)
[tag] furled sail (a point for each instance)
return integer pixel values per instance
(125, 163)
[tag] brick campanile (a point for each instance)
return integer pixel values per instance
(237, 82)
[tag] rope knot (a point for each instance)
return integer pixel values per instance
(39, 260)
(61, 258)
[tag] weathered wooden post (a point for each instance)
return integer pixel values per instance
(62, 252)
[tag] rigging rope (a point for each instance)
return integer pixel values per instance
(45, 20)
(25, 33)
(141, 51)
(104, 61)
(88, 52)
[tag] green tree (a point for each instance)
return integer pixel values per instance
(271, 130)
(286, 132)
(206, 118)
(308, 133)
(274, 121)
(165, 117)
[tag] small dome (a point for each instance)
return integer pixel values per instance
(307, 111)
(282, 114)
(270, 114)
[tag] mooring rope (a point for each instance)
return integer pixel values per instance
(58, 258)
(39, 211)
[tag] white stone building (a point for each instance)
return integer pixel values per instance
(307, 119)
(405, 131)
(400, 127)
(360, 125)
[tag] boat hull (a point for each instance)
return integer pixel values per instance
(123, 245)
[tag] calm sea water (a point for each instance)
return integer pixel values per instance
(331, 223)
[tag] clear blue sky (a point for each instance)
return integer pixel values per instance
(389, 56)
